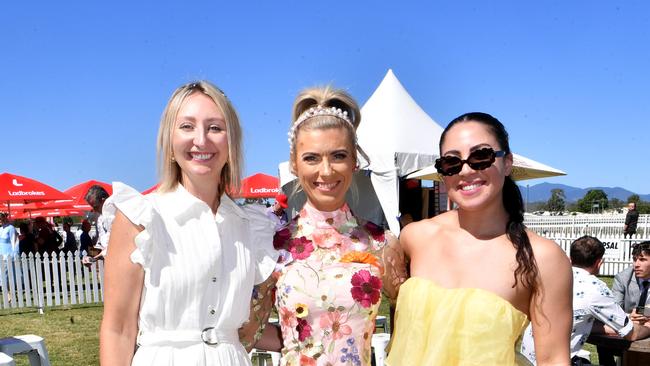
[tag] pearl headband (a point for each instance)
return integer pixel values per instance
(318, 111)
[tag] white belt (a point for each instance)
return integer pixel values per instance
(210, 336)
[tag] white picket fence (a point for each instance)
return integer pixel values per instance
(608, 228)
(49, 280)
(595, 225)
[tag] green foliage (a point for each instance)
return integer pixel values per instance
(594, 200)
(536, 206)
(634, 198)
(557, 202)
(643, 207)
(615, 203)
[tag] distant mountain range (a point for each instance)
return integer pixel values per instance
(542, 192)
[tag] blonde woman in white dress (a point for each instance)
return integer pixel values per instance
(183, 261)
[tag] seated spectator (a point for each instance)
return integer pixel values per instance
(27, 240)
(631, 285)
(592, 300)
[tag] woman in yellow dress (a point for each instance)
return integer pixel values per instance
(478, 275)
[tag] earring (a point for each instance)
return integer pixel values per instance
(173, 159)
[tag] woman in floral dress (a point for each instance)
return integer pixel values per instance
(328, 293)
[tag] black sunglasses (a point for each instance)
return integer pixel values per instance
(480, 159)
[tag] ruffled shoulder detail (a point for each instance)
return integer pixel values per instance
(262, 229)
(139, 210)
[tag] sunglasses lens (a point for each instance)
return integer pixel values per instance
(481, 159)
(449, 165)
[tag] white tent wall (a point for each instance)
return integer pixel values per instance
(399, 137)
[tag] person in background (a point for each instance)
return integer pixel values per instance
(631, 285)
(70, 243)
(276, 211)
(592, 301)
(85, 241)
(8, 236)
(27, 240)
(478, 275)
(96, 196)
(183, 260)
(631, 220)
(329, 290)
(48, 240)
(8, 241)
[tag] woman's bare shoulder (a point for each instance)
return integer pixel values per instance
(424, 232)
(547, 251)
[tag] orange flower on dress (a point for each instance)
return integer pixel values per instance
(307, 361)
(362, 257)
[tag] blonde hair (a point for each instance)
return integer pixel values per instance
(168, 169)
(325, 97)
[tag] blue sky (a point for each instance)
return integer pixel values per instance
(83, 84)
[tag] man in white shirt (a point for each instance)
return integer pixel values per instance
(95, 197)
(592, 300)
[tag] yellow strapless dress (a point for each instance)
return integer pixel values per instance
(463, 326)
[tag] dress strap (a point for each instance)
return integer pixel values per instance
(210, 336)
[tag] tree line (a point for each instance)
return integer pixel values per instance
(595, 200)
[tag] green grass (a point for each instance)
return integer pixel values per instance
(71, 334)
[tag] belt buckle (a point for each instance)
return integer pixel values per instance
(205, 337)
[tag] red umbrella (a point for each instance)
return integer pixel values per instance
(46, 213)
(150, 189)
(56, 204)
(79, 191)
(78, 194)
(18, 189)
(259, 186)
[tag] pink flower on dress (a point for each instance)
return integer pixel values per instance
(332, 321)
(359, 240)
(287, 317)
(377, 232)
(280, 238)
(326, 237)
(304, 330)
(365, 288)
(301, 247)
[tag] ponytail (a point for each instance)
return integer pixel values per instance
(516, 232)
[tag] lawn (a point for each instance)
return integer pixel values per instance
(72, 333)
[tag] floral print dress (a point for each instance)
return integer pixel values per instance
(329, 291)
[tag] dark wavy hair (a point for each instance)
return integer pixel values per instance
(526, 270)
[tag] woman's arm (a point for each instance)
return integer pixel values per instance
(123, 282)
(396, 269)
(260, 308)
(551, 309)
